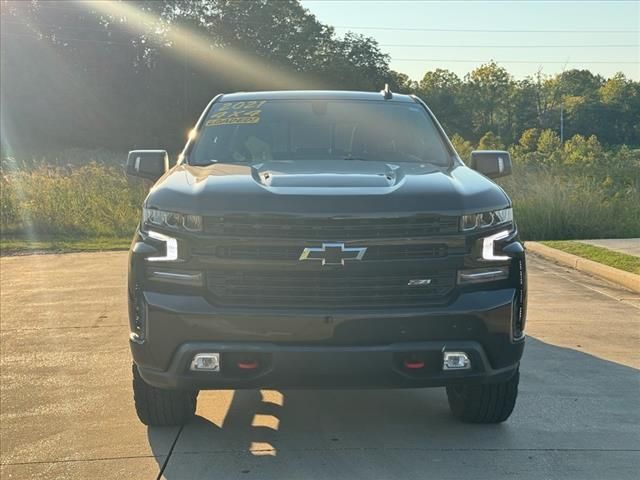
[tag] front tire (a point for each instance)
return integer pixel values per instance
(484, 403)
(158, 407)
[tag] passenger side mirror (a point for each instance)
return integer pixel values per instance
(150, 164)
(491, 163)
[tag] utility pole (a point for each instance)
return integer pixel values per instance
(561, 124)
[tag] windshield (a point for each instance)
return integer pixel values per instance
(257, 131)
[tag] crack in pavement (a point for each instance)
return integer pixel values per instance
(71, 460)
(166, 460)
(408, 449)
(29, 329)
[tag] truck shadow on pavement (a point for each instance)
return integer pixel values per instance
(568, 401)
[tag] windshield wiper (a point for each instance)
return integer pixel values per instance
(351, 157)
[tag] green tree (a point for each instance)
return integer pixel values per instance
(529, 139)
(579, 83)
(441, 89)
(521, 110)
(357, 63)
(620, 98)
(616, 90)
(584, 112)
(581, 151)
(488, 89)
(547, 98)
(93, 78)
(490, 141)
(462, 146)
(401, 83)
(549, 146)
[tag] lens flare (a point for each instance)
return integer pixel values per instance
(198, 49)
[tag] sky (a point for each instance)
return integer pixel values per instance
(524, 36)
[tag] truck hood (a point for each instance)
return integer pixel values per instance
(330, 187)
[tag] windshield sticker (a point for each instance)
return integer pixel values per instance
(236, 113)
(241, 105)
(232, 121)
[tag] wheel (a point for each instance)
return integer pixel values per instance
(484, 403)
(160, 407)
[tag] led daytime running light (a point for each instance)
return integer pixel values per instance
(488, 245)
(171, 244)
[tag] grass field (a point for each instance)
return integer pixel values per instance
(628, 263)
(549, 205)
(53, 244)
(88, 202)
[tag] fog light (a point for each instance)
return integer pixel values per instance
(455, 361)
(209, 362)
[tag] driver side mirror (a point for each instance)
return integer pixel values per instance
(149, 164)
(491, 163)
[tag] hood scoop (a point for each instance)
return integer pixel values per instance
(355, 174)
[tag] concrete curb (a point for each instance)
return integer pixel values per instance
(626, 279)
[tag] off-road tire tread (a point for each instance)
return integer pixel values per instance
(160, 407)
(484, 403)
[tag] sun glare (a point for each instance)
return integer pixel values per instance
(227, 62)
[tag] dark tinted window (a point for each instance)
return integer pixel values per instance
(256, 131)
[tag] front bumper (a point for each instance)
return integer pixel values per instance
(343, 349)
(295, 366)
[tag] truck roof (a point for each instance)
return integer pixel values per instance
(313, 95)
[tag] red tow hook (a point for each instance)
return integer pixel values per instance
(413, 364)
(248, 365)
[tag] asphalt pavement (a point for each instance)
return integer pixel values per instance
(66, 406)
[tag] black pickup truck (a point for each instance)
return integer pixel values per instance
(324, 239)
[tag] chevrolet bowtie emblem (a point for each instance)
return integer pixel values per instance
(333, 253)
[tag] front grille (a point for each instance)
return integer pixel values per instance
(287, 252)
(327, 289)
(309, 228)
(271, 243)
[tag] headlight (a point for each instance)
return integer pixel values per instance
(171, 220)
(479, 221)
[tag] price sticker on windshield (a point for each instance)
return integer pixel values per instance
(236, 113)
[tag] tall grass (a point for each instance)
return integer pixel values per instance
(91, 200)
(551, 206)
(98, 200)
